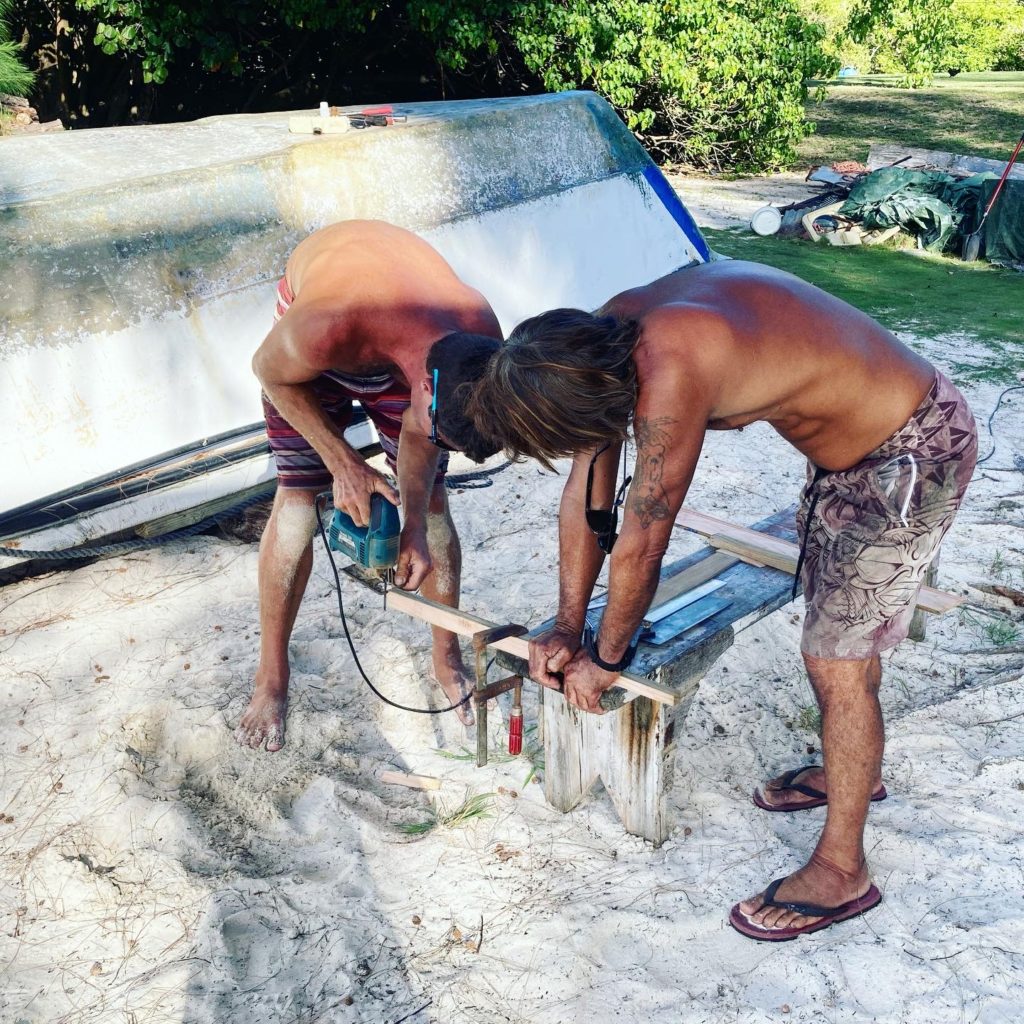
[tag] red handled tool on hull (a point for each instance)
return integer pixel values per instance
(375, 117)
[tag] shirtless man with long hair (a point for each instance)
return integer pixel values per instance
(890, 444)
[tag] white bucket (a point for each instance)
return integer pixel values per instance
(766, 221)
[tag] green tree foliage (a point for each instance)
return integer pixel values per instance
(984, 34)
(232, 38)
(906, 37)
(917, 38)
(15, 78)
(834, 18)
(1010, 56)
(711, 83)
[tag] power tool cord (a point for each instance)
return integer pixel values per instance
(474, 480)
(348, 635)
(992, 416)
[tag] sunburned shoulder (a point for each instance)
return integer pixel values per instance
(341, 256)
(349, 230)
(684, 331)
(683, 349)
(317, 328)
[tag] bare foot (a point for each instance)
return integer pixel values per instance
(264, 719)
(819, 882)
(456, 682)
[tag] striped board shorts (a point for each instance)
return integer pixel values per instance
(383, 398)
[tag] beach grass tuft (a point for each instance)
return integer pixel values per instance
(473, 808)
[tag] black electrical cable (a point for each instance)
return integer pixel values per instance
(999, 402)
(473, 481)
(348, 635)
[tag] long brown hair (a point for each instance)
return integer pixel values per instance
(564, 382)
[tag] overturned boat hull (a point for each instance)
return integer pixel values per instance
(145, 262)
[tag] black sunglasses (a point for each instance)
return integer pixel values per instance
(434, 439)
(603, 522)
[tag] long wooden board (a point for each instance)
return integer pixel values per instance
(466, 624)
(781, 554)
(745, 549)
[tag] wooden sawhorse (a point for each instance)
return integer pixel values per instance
(632, 750)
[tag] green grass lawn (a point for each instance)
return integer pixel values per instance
(980, 114)
(912, 294)
(915, 295)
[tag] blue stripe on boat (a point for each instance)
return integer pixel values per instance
(667, 194)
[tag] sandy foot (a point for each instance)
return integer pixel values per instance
(456, 682)
(263, 720)
(818, 883)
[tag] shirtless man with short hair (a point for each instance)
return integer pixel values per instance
(891, 446)
(366, 311)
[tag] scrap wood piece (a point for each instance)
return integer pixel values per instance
(457, 621)
(410, 780)
(693, 576)
(958, 164)
(782, 554)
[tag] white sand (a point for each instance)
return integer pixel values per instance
(154, 872)
(727, 202)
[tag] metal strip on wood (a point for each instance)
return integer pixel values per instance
(657, 613)
(685, 618)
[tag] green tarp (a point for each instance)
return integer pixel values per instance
(1003, 236)
(935, 207)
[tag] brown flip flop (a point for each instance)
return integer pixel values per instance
(829, 915)
(818, 797)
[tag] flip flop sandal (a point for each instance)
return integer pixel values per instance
(829, 915)
(818, 797)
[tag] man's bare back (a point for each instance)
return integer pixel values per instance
(828, 378)
(387, 293)
(362, 310)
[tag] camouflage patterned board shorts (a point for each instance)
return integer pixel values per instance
(873, 529)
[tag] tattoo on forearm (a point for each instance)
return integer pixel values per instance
(647, 497)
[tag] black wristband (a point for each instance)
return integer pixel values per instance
(590, 645)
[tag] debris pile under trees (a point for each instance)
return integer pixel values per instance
(18, 116)
(936, 199)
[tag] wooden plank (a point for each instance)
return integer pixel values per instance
(701, 522)
(747, 550)
(412, 781)
(698, 573)
(782, 554)
(466, 624)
